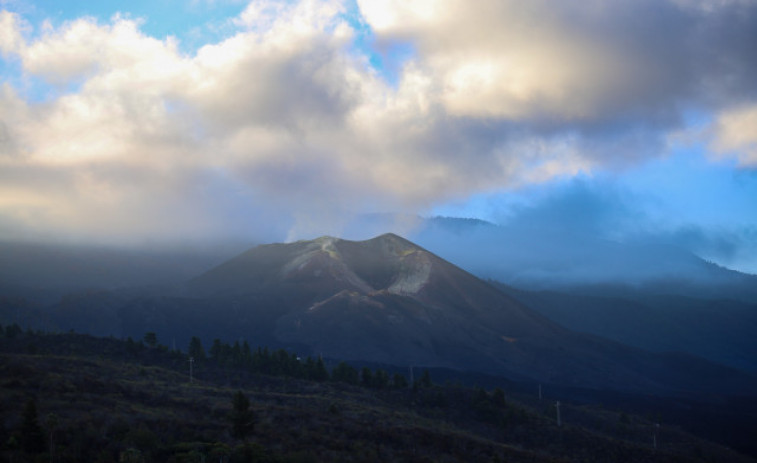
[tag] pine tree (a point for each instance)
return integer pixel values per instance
(236, 354)
(381, 379)
(399, 381)
(320, 373)
(242, 418)
(424, 381)
(32, 439)
(366, 377)
(498, 397)
(215, 350)
(13, 331)
(246, 354)
(151, 339)
(345, 373)
(195, 349)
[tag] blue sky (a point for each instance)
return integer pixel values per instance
(215, 119)
(160, 18)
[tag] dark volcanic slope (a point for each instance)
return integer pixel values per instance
(388, 300)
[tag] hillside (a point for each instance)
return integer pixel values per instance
(538, 257)
(389, 300)
(124, 399)
(382, 300)
(720, 330)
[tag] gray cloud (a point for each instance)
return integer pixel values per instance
(584, 232)
(284, 129)
(581, 63)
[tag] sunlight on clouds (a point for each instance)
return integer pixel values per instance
(284, 110)
(514, 60)
(10, 32)
(253, 105)
(571, 60)
(735, 134)
(396, 16)
(285, 21)
(69, 53)
(104, 54)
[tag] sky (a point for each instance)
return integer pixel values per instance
(164, 120)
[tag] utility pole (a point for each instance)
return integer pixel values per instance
(559, 420)
(539, 392)
(654, 436)
(191, 361)
(52, 423)
(412, 380)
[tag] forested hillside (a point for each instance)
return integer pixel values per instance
(71, 397)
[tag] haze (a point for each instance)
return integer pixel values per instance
(165, 122)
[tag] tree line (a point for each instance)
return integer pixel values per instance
(280, 362)
(274, 362)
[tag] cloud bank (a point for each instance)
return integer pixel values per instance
(284, 128)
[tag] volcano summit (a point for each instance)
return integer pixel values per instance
(388, 300)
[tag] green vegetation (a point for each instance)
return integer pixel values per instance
(242, 419)
(70, 398)
(151, 339)
(30, 434)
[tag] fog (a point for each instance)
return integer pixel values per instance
(580, 233)
(285, 125)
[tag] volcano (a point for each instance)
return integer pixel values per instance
(388, 300)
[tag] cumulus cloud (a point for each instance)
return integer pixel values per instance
(10, 32)
(572, 61)
(286, 122)
(263, 112)
(736, 134)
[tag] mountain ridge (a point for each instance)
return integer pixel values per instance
(384, 300)
(389, 300)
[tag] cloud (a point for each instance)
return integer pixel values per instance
(10, 32)
(263, 112)
(735, 134)
(586, 230)
(573, 61)
(285, 114)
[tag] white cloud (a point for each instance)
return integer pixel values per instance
(282, 20)
(10, 32)
(284, 115)
(570, 62)
(507, 59)
(735, 134)
(103, 53)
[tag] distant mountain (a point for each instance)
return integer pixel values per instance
(720, 330)
(389, 300)
(551, 259)
(383, 300)
(527, 257)
(648, 295)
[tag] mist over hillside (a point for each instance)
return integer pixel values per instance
(648, 295)
(557, 193)
(520, 253)
(390, 301)
(539, 258)
(46, 271)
